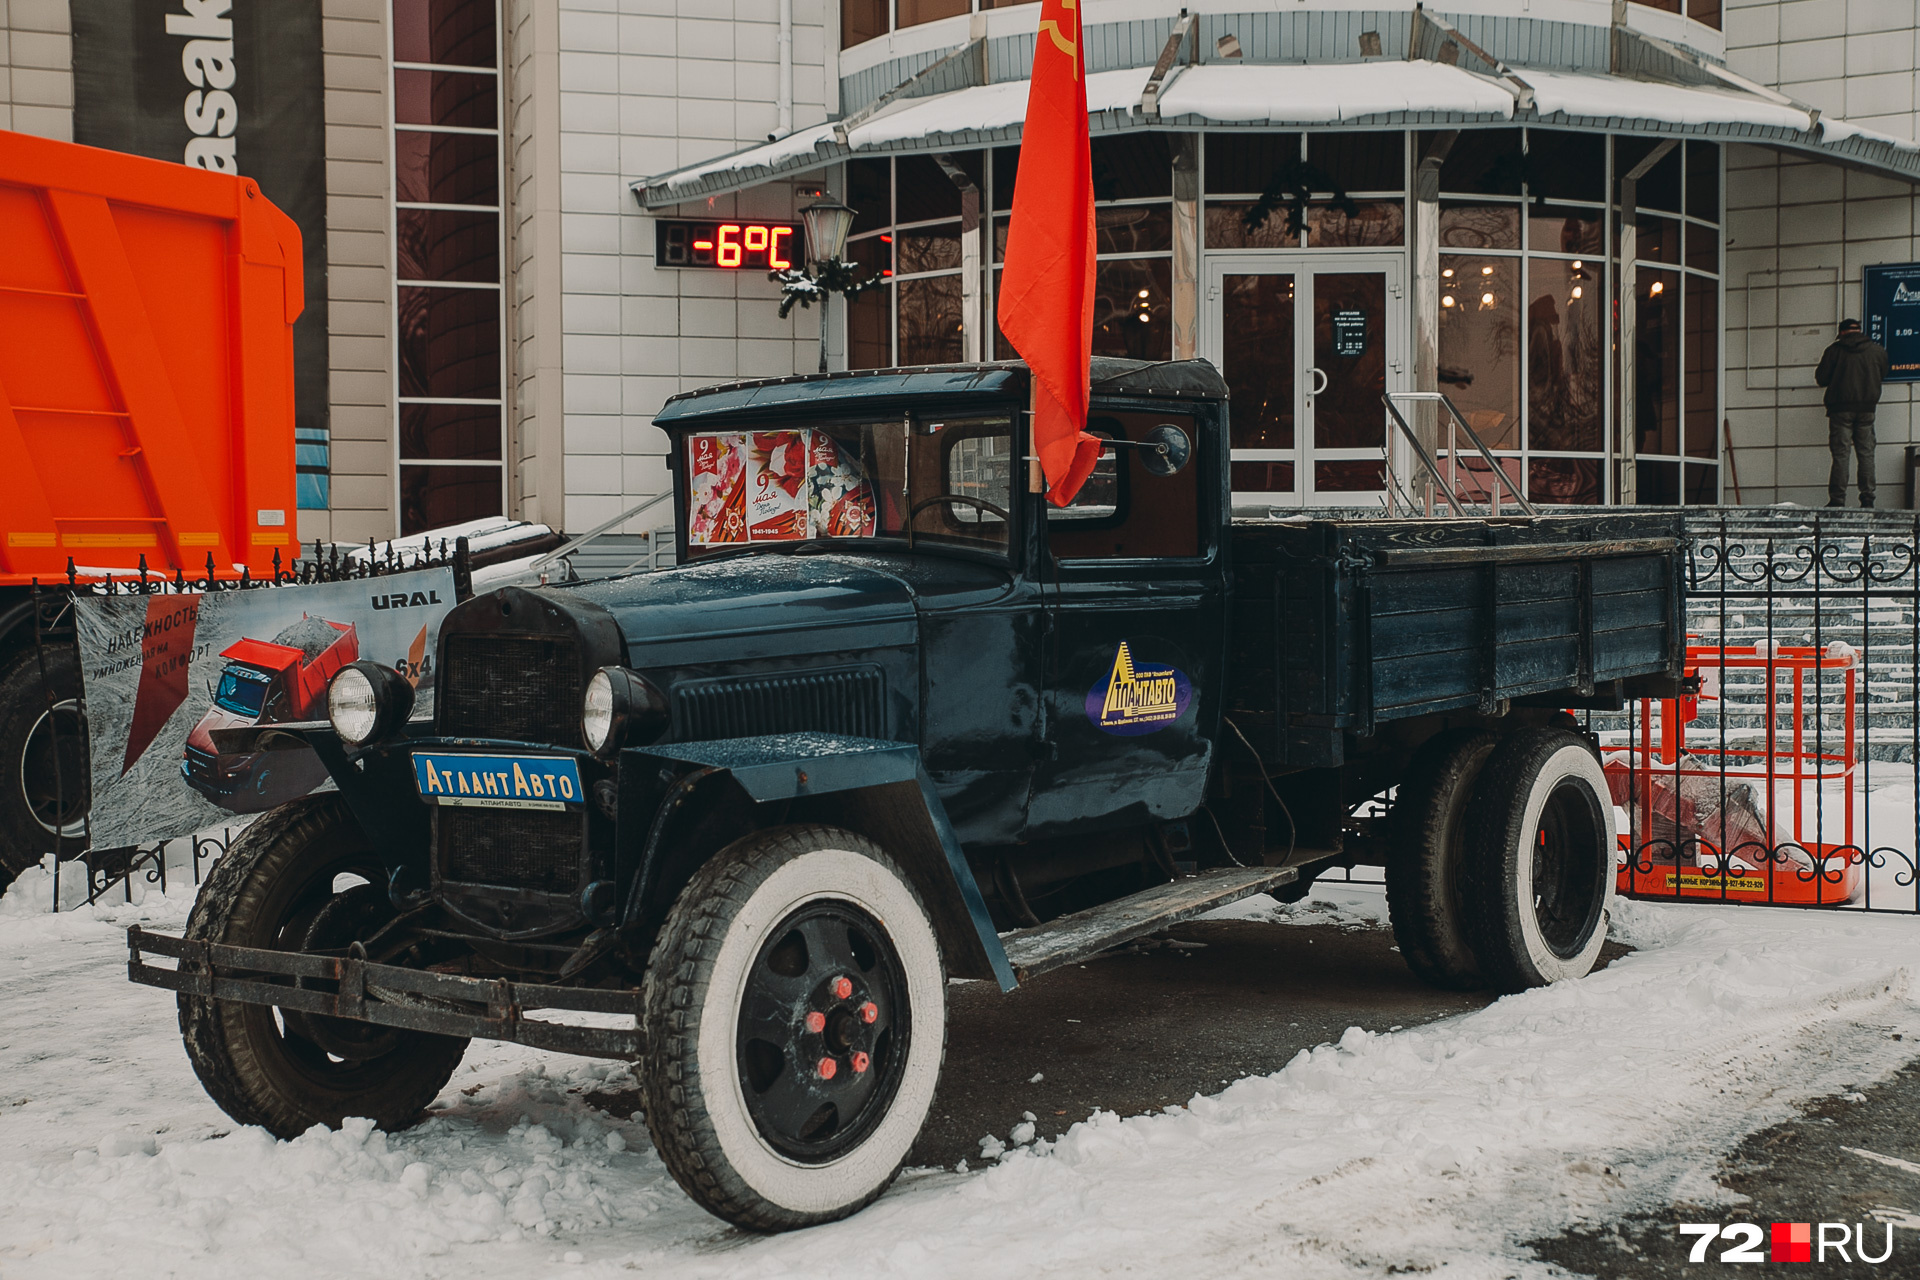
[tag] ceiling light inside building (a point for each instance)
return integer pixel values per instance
(1576, 291)
(1446, 299)
(1657, 289)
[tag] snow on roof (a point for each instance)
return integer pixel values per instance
(1330, 93)
(1834, 129)
(1615, 98)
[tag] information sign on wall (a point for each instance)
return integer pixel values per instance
(1892, 319)
(1349, 333)
(727, 246)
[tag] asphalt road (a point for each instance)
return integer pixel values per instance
(1808, 1170)
(1135, 1030)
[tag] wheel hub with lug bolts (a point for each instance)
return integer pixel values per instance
(842, 1029)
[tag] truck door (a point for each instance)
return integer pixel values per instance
(1131, 663)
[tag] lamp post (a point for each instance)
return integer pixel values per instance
(828, 223)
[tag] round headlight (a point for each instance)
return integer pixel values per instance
(622, 709)
(353, 706)
(596, 718)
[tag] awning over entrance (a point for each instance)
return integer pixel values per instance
(1414, 94)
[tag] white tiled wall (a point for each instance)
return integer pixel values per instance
(648, 86)
(1799, 234)
(36, 61)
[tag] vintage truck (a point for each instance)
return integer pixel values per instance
(267, 682)
(896, 720)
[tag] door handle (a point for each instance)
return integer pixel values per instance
(1324, 381)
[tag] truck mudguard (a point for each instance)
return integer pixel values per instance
(883, 790)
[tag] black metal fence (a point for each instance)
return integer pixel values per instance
(107, 869)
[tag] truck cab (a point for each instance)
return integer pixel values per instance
(267, 682)
(898, 718)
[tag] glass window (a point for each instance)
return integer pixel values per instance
(1245, 163)
(1261, 477)
(1705, 11)
(1134, 166)
(431, 497)
(445, 97)
(922, 190)
(1561, 230)
(449, 343)
(241, 691)
(974, 499)
(869, 330)
(1133, 228)
(1659, 239)
(1660, 188)
(1480, 344)
(1657, 355)
(1133, 308)
(1361, 161)
(1006, 167)
(1702, 358)
(1567, 165)
(922, 249)
(1573, 481)
(1480, 226)
(1566, 354)
(911, 13)
(930, 320)
(870, 192)
(1130, 513)
(1257, 361)
(441, 244)
(1703, 180)
(1703, 247)
(1659, 483)
(862, 20)
(1483, 162)
(1703, 485)
(446, 168)
(1227, 227)
(470, 431)
(455, 33)
(1378, 224)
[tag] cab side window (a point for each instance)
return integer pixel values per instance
(1124, 511)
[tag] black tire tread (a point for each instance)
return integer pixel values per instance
(216, 1044)
(24, 842)
(678, 973)
(1423, 894)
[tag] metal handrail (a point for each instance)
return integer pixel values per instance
(1453, 451)
(540, 565)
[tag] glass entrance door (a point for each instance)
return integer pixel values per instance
(1308, 344)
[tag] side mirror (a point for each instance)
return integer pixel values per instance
(1167, 450)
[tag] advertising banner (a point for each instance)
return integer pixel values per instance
(166, 676)
(775, 486)
(1892, 317)
(235, 86)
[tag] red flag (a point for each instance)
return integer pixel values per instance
(1046, 287)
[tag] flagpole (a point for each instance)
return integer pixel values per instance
(1036, 478)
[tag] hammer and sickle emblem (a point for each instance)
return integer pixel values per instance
(1066, 45)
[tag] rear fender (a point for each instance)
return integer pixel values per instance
(876, 788)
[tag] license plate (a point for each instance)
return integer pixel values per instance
(498, 782)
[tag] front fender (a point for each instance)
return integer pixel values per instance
(875, 787)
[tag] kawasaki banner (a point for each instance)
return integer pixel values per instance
(177, 687)
(235, 86)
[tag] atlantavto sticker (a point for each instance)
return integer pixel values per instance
(1137, 698)
(1788, 1242)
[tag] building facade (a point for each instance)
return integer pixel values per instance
(1615, 235)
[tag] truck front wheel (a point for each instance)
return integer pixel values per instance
(1538, 871)
(304, 878)
(795, 1009)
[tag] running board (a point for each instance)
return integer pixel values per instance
(1074, 938)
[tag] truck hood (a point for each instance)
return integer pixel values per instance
(756, 606)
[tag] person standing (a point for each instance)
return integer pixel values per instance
(1851, 369)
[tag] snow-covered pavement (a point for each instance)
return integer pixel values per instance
(1447, 1145)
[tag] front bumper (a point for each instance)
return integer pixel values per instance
(385, 995)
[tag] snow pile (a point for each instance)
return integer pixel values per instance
(1350, 906)
(1442, 1147)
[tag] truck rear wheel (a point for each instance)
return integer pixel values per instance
(1423, 867)
(796, 1024)
(301, 878)
(44, 787)
(1538, 871)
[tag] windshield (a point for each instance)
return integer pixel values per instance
(241, 691)
(944, 480)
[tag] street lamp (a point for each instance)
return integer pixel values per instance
(828, 223)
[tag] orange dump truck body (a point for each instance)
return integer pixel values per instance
(146, 366)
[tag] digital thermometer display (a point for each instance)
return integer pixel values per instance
(728, 246)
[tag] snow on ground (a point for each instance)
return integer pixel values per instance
(1446, 1145)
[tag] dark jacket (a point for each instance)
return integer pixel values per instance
(1851, 370)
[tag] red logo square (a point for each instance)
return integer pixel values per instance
(1793, 1242)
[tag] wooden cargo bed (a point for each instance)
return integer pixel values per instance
(1340, 625)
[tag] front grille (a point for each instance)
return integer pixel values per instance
(851, 700)
(516, 848)
(523, 688)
